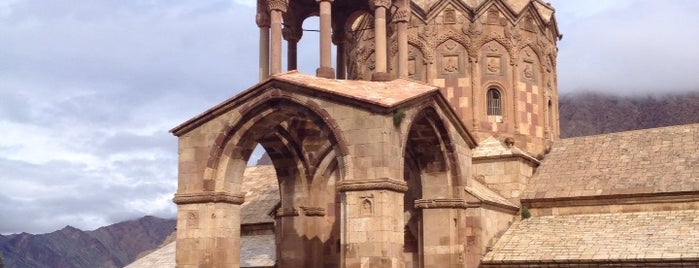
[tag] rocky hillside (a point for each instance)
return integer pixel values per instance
(111, 246)
(586, 114)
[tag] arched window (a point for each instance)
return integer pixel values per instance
(494, 102)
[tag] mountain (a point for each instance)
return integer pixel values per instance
(115, 245)
(584, 114)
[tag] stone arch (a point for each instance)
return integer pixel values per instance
(432, 175)
(308, 156)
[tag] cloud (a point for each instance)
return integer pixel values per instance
(628, 47)
(88, 92)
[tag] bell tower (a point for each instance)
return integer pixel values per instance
(494, 60)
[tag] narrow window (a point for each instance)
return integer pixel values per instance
(494, 102)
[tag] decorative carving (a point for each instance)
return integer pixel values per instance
(401, 15)
(450, 64)
(280, 5)
(493, 16)
(313, 211)
(366, 204)
(493, 65)
(379, 3)
(443, 203)
(428, 31)
(528, 71)
(209, 197)
(286, 212)
(473, 29)
(192, 219)
(449, 16)
(513, 33)
(378, 184)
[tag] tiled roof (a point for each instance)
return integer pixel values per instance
(255, 251)
(261, 194)
(615, 237)
(385, 94)
(649, 161)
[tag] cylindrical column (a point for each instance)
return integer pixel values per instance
(291, 55)
(339, 41)
(292, 35)
(401, 18)
(263, 23)
(380, 73)
(264, 53)
(276, 46)
(276, 7)
(326, 70)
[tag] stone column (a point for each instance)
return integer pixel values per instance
(291, 248)
(276, 8)
(292, 35)
(401, 18)
(263, 23)
(208, 229)
(326, 70)
(380, 72)
(441, 221)
(374, 223)
(339, 41)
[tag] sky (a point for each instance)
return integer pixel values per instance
(89, 90)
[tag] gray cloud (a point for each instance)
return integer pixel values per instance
(628, 47)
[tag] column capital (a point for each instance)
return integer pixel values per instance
(292, 34)
(279, 5)
(401, 15)
(379, 3)
(262, 19)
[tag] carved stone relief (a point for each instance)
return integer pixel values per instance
(451, 59)
(366, 204)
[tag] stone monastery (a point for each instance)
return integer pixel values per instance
(433, 142)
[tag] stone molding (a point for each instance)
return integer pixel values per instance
(286, 212)
(443, 203)
(313, 211)
(377, 184)
(209, 197)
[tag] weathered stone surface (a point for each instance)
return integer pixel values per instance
(595, 239)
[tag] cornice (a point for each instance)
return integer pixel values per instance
(209, 197)
(378, 184)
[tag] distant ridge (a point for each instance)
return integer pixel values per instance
(591, 113)
(111, 246)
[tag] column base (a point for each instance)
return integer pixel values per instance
(326, 72)
(379, 76)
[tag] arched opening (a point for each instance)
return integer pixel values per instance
(306, 157)
(429, 171)
(494, 102)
